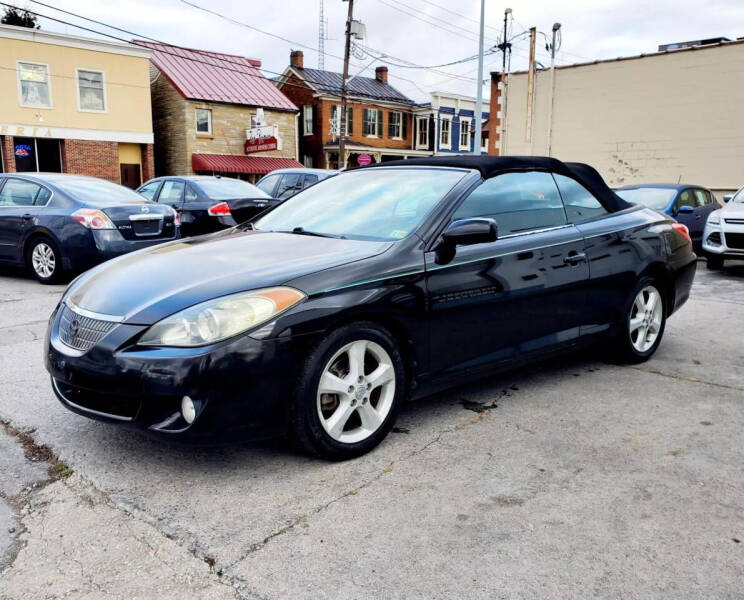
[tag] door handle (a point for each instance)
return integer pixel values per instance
(573, 259)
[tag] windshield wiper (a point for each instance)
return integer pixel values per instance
(302, 231)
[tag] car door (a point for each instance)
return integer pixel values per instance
(704, 205)
(684, 212)
(171, 192)
(523, 293)
(17, 210)
(289, 185)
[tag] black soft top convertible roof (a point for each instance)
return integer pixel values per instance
(490, 166)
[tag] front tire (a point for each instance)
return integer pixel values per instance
(643, 322)
(349, 394)
(44, 260)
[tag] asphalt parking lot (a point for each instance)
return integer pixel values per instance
(573, 479)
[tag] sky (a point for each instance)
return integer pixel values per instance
(400, 32)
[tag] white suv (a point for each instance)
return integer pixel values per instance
(724, 232)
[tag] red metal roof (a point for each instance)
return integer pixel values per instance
(235, 163)
(215, 77)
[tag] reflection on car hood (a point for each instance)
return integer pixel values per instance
(145, 286)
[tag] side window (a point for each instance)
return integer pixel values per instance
(518, 201)
(42, 197)
(17, 192)
(288, 186)
(172, 192)
(309, 180)
(190, 195)
(686, 198)
(580, 204)
(267, 184)
(148, 191)
(701, 198)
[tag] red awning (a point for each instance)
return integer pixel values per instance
(236, 163)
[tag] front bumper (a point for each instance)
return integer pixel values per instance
(725, 240)
(240, 386)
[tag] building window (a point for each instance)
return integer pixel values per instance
(464, 134)
(307, 160)
(203, 120)
(335, 111)
(37, 154)
(33, 83)
(445, 127)
(91, 92)
(395, 125)
(307, 119)
(372, 122)
(423, 132)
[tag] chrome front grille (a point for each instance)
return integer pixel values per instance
(79, 332)
(735, 221)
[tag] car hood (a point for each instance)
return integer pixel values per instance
(148, 285)
(733, 208)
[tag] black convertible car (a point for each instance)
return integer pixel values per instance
(371, 287)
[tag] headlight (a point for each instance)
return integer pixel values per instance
(714, 218)
(221, 318)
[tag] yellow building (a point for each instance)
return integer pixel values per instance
(74, 105)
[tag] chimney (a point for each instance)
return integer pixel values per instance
(381, 74)
(494, 115)
(296, 59)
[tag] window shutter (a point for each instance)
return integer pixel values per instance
(349, 120)
(302, 120)
(379, 123)
(404, 125)
(316, 128)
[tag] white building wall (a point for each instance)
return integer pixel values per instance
(676, 116)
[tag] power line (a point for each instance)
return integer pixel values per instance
(462, 16)
(164, 51)
(418, 17)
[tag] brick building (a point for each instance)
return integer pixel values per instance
(217, 114)
(74, 105)
(378, 123)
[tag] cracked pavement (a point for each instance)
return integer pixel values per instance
(576, 478)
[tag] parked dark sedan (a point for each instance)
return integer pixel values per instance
(57, 224)
(207, 204)
(285, 183)
(688, 204)
(379, 284)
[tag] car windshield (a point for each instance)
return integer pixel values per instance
(223, 189)
(739, 196)
(89, 189)
(656, 198)
(367, 204)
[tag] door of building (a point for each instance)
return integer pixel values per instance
(130, 175)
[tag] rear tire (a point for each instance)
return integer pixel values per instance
(644, 320)
(713, 262)
(349, 393)
(44, 260)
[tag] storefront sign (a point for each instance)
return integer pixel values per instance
(261, 139)
(364, 160)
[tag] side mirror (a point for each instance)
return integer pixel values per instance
(465, 232)
(727, 197)
(685, 209)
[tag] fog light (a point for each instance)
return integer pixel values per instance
(188, 410)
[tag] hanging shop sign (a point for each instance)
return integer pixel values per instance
(262, 139)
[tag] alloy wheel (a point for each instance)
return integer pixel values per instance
(356, 391)
(645, 319)
(43, 260)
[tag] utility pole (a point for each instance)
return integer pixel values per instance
(476, 133)
(530, 86)
(556, 28)
(344, 91)
(505, 46)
